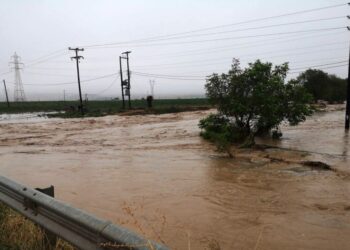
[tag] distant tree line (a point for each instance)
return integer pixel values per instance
(323, 86)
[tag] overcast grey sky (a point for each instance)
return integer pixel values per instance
(40, 31)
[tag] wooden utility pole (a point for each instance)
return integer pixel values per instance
(128, 70)
(7, 97)
(121, 80)
(127, 62)
(77, 58)
(151, 84)
(347, 112)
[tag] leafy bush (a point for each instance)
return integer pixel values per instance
(221, 131)
(217, 129)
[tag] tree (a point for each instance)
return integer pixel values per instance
(338, 89)
(323, 86)
(254, 100)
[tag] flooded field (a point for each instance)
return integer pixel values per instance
(24, 117)
(155, 175)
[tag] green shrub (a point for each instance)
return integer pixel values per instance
(221, 131)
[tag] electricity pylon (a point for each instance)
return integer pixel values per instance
(19, 95)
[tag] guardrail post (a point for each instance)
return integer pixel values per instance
(50, 239)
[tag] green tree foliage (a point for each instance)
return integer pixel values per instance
(253, 101)
(323, 86)
(217, 129)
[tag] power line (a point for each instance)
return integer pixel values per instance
(46, 59)
(7, 72)
(47, 68)
(150, 74)
(330, 67)
(320, 65)
(295, 63)
(223, 26)
(258, 43)
(41, 60)
(316, 60)
(230, 38)
(45, 74)
(47, 55)
(170, 77)
(251, 28)
(109, 86)
(303, 53)
(190, 77)
(68, 83)
(49, 74)
(176, 77)
(195, 62)
(146, 66)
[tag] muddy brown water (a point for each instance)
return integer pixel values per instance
(155, 175)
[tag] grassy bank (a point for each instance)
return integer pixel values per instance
(17, 233)
(101, 108)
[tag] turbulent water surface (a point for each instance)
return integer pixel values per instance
(155, 175)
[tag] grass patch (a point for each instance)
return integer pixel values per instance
(17, 233)
(69, 109)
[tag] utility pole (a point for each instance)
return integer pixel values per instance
(121, 80)
(7, 98)
(127, 62)
(64, 95)
(347, 112)
(151, 84)
(128, 86)
(77, 58)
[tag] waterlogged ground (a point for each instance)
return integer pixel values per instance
(155, 175)
(24, 117)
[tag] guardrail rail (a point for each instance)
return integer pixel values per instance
(81, 229)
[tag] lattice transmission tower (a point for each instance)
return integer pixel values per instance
(19, 95)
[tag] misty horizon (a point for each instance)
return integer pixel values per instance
(44, 30)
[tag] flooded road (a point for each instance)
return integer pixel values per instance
(155, 175)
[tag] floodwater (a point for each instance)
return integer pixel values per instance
(23, 117)
(155, 175)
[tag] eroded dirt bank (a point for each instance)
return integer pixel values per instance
(155, 175)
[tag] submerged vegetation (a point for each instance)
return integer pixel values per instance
(252, 102)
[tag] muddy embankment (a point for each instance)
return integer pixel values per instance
(155, 175)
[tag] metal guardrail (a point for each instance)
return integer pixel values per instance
(80, 228)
